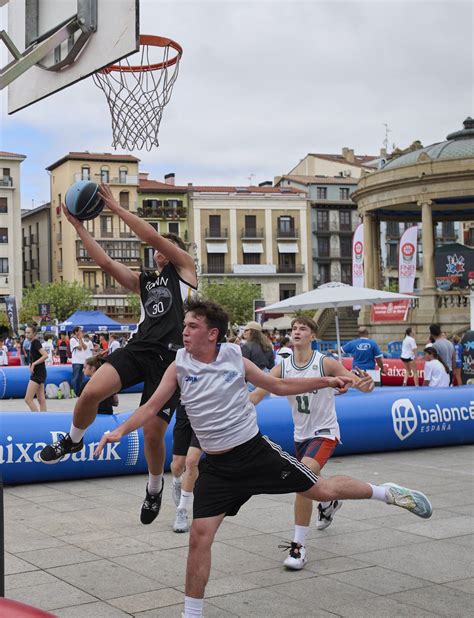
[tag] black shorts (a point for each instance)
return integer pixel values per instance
(258, 466)
(147, 367)
(406, 360)
(183, 434)
(39, 377)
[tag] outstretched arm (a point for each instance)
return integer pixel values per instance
(124, 275)
(293, 386)
(145, 412)
(182, 261)
(361, 380)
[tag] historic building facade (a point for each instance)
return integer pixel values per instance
(36, 243)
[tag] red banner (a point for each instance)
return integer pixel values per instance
(390, 312)
(394, 371)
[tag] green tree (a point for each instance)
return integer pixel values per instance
(235, 295)
(64, 298)
(133, 302)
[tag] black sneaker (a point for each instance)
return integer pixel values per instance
(53, 453)
(151, 506)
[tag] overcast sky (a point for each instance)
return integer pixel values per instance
(262, 83)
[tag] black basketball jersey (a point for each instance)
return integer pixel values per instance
(161, 320)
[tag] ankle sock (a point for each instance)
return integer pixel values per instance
(378, 493)
(76, 434)
(185, 498)
(193, 607)
(300, 534)
(154, 483)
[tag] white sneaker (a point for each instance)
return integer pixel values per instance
(176, 491)
(181, 522)
(409, 499)
(296, 558)
(326, 515)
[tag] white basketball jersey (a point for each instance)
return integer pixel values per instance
(216, 398)
(314, 413)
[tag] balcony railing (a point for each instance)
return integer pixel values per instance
(251, 232)
(6, 181)
(216, 269)
(297, 269)
(216, 233)
(127, 234)
(454, 300)
(148, 212)
(113, 180)
(285, 233)
(33, 239)
(121, 250)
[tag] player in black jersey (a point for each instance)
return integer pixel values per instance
(149, 352)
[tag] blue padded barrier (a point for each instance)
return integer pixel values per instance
(386, 420)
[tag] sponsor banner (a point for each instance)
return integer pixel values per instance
(390, 312)
(407, 260)
(12, 312)
(394, 370)
(454, 267)
(358, 257)
(467, 369)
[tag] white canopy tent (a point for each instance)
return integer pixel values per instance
(334, 295)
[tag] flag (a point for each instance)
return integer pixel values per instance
(407, 260)
(358, 257)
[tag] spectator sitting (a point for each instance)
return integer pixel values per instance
(436, 373)
(365, 354)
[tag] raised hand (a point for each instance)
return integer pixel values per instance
(111, 436)
(71, 218)
(109, 200)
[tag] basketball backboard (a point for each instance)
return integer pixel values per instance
(114, 28)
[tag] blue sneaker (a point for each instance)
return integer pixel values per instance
(414, 501)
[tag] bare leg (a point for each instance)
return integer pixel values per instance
(41, 398)
(414, 371)
(178, 465)
(104, 383)
(155, 450)
(192, 471)
(339, 488)
(198, 566)
(303, 505)
(31, 391)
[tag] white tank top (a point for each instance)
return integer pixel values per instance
(216, 398)
(314, 413)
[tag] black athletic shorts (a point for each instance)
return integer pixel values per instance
(134, 367)
(258, 466)
(183, 434)
(39, 377)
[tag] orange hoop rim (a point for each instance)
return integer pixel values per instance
(154, 41)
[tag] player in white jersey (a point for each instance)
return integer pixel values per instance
(239, 461)
(316, 430)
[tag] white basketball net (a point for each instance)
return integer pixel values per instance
(137, 98)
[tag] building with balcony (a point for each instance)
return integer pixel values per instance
(37, 245)
(432, 186)
(70, 261)
(165, 206)
(346, 164)
(333, 221)
(256, 233)
(11, 279)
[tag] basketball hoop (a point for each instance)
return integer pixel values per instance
(137, 94)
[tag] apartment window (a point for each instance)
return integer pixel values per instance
(345, 220)
(90, 279)
(346, 273)
(321, 193)
(89, 225)
(172, 203)
(392, 255)
(85, 172)
(124, 230)
(215, 262)
(3, 234)
(323, 247)
(393, 229)
(6, 171)
(344, 193)
(286, 225)
(123, 175)
(250, 226)
(251, 258)
(324, 273)
(104, 175)
(287, 262)
(287, 290)
(108, 281)
(124, 199)
(60, 200)
(3, 265)
(322, 220)
(3, 205)
(155, 225)
(346, 246)
(173, 227)
(106, 226)
(215, 225)
(149, 261)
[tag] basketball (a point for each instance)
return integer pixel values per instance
(83, 200)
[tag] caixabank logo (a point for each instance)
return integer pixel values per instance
(407, 417)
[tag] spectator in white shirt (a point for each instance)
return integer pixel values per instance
(49, 348)
(79, 354)
(3, 353)
(408, 356)
(114, 344)
(436, 372)
(284, 351)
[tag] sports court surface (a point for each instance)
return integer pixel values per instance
(77, 548)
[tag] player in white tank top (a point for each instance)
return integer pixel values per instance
(234, 475)
(316, 430)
